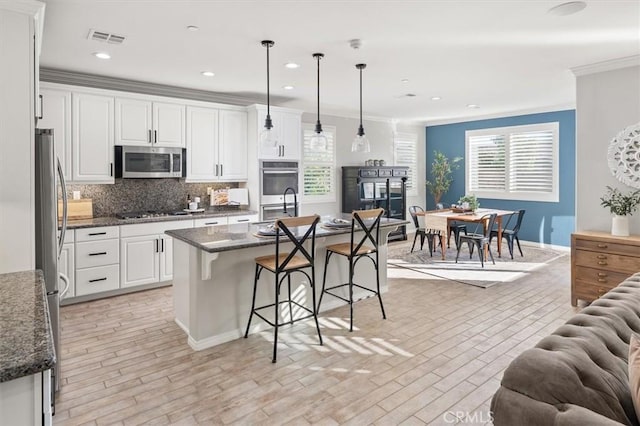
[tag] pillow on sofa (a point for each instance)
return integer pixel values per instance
(634, 371)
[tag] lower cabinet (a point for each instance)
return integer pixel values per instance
(97, 260)
(27, 400)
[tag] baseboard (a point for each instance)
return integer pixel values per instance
(544, 245)
(209, 342)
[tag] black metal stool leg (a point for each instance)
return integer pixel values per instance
(414, 242)
(290, 307)
(481, 254)
(324, 276)
(313, 299)
(253, 301)
(275, 320)
(384, 316)
(350, 294)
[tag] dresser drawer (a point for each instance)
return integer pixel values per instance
(97, 253)
(100, 233)
(602, 260)
(95, 280)
(607, 247)
(599, 277)
(589, 292)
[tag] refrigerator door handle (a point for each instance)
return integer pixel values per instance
(65, 203)
(64, 278)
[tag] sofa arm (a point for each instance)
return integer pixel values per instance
(510, 408)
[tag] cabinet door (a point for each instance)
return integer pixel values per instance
(92, 138)
(166, 259)
(202, 144)
(133, 122)
(290, 136)
(169, 124)
(66, 266)
(268, 152)
(233, 145)
(139, 260)
(56, 115)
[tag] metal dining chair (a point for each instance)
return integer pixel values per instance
(455, 228)
(510, 231)
(479, 239)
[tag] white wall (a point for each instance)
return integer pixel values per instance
(380, 134)
(606, 102)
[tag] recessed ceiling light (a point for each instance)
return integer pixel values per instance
(288, 87)
(102, 55)
(405, 80)
(569, 8)
(193, 28)
(208, 73)
(435, 98)
(291, 65)
(473, 106)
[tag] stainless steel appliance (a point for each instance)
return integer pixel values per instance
(48, 175)
(274, 211)
(275, 178)
(150, 162)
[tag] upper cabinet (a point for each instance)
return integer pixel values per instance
(56, 115)
(287, 126)
(92, 138)
(147, 123)
(216, 144)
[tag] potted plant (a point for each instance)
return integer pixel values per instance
(469, 202)
(621, 205)
(441, 170)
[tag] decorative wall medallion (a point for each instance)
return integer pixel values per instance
(624, 156)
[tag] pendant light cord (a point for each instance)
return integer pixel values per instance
(360, 97)
(318, 89)
(268, 112)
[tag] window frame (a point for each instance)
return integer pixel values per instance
(507, 194)
(413, 168)
(331, 196)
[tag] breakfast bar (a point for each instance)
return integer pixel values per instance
(213, 276)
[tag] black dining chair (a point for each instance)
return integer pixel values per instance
(510, 231)
(479, 238)
(421, 231)
(455, 228)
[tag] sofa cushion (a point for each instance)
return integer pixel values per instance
(634, 371)
(582, 364)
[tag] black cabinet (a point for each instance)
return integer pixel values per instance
(366, 188)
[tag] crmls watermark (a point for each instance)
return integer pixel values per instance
(462, 417)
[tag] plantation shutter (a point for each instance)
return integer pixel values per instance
(406, 154)
(531, 162)
(487, 163)
(318, 167)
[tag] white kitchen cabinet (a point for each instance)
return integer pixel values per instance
(288, 128)
(245, 218)
(166, 258)
(92, 138)
(97, 260)
(216, 145)
(210, 221)
(147, 123)
(56, 115)
(27, 400)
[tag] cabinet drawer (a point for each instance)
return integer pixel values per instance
(400, 172)
(589, 292)
(100, 233)
(368, 172)
(95, 280)
(154, 228)
(600, 277)
(246, 218)
(97, 253)
(608, 247)
(602, 260)
(210, 221)
(385, 172)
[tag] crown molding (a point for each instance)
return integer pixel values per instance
(31, 7)
(613, 64)
(552, 108)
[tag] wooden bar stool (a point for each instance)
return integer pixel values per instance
(368, 221)
(283, 265)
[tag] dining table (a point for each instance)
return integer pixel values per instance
(440, 220)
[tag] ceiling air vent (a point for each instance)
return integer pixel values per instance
(105, 37)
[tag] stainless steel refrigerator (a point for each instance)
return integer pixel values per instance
(48, 175)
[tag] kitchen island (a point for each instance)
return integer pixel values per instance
(213, 272)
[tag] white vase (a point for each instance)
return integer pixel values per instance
(620, 226)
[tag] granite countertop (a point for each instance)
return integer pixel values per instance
(26, 346)
(236, 236)
(114, 221)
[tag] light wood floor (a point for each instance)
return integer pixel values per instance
(441, 351)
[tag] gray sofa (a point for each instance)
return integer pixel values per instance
(577, 375)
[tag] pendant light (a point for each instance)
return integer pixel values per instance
(318, 141)
(360, 142)
(268, 137)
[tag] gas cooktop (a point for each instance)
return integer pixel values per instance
(150, 213)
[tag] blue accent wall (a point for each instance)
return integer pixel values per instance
(549, 223)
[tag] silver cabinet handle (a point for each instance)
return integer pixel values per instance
(98, 279)
(243, 220)
(101, 253)
(93, 234)
(155, 136)
(217, 170)
(221, 172)
(149, 136)
(162, 245)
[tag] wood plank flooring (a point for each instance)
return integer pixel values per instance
(440, 354)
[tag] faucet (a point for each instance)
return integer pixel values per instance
(295, 201)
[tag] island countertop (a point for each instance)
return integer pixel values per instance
(26, 346)
(215, 239)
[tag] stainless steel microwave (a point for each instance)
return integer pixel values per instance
(150, 162)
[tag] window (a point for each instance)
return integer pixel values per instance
(318, 168)
(405, 153)
(513, 163)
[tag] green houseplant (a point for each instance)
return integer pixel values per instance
(620, 205)
(472, 200)
(441, 170)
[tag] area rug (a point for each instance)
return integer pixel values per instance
(468, 271)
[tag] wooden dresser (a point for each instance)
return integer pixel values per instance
(599, 262)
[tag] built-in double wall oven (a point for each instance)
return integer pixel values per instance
(276, 177)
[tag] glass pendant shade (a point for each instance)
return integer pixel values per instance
(269, 138)
(360, 142)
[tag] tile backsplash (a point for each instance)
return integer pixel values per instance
(133, 195)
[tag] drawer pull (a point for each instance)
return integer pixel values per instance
(602, 280)
(93, 234)
(211, 223)
(602, 274)
(602, 246)
(602, 256)
(602, 262)
(101, 253)
(243, 220)
(98, 279)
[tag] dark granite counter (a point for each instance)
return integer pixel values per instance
(26, 346)
(243, 235)
(114, 221)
